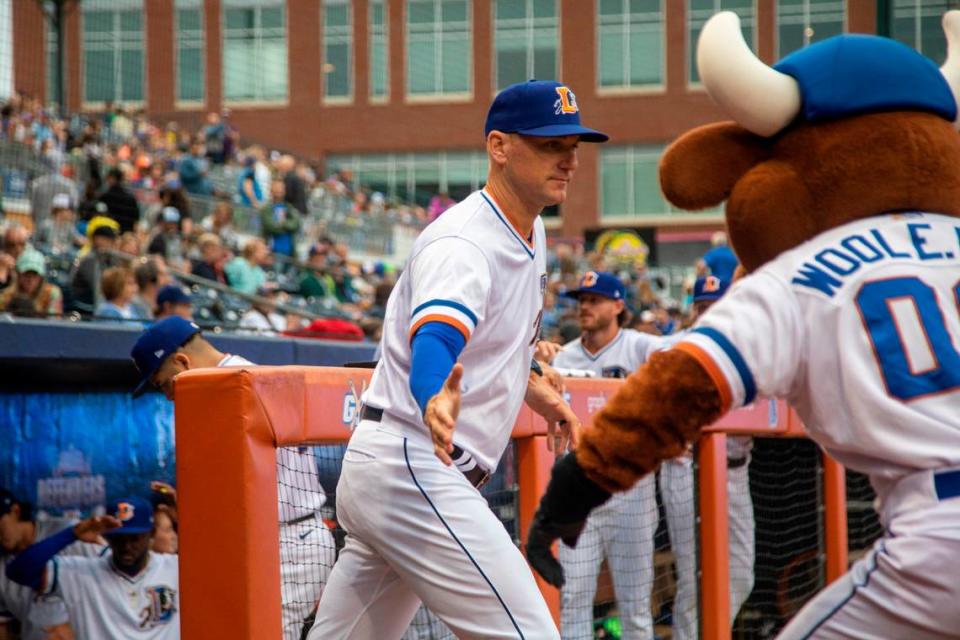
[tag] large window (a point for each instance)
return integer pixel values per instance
(113, 58)
(917, 23)
(803, 22)
(53, 97)
(526, 40)
(416, 177)
(337, 49)
(190, 63)
(379, 51)
(631, 45)
(699, 11)
(254, 50)
(439, 48)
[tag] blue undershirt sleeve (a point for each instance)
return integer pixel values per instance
(434, 350)
(28, 567)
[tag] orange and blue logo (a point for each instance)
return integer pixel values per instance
(589, 279)
(125, 511)
(566, 103)
(711, 284)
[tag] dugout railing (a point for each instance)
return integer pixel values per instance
(231, 421)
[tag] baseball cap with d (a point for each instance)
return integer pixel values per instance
(709, 288)
(156, 344)
(135, 514)
(600, 283)
(539, 108)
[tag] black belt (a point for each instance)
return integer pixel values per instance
(475, 476)
(736, 463)
(309, 516)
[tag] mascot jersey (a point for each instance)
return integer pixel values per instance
(859, 328)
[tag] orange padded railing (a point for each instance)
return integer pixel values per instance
(230, 422)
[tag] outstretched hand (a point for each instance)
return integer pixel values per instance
(441, 414)
(563, 425)
(89, 530)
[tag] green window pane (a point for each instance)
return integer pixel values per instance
(611, 60)
(97, 22)
(378, 73)
(826, 29)
(703, 5)
(456, 65)
(734, 5)
(338, 75)
(190, 74)
(645, 6)
(646, 58)
(377, 14)
(611, 7)
(614, 186)
(647, 198)
(790, 38)
(189, 20)
(98, 76)
(904, 31)
(511, 10)
(240, 18)
(131, 75)
(337, 15)
(273, 70)
(271, 18)
(544, 8)
(420, 68)
(933, 43)
(420, 12)
(131, 20)
(238, 70)
(545, 63)
(453, 11)
(511, 67)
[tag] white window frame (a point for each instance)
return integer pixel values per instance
(117, 7)
(442, 96)
(804, 19)
(626, 88)
(372, 34)
(688, 28)
(225, 6)
(530, 25)
(341, 35)
(201, 40)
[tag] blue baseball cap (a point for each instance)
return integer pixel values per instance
(135, 513)
(600, 283)
(709, 288)
(156, 344)
(539, 108)
(173, 294)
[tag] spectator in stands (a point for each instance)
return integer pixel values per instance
(340, 272)
(438, 204)
(296, 190)
(279, 222)
(173, 195)
(16, 240)
(220, 222)
(119, 288)
(212, 259)
(315, 282)
(193, 171)
(58, 234)
(165, 538)
(44, 188)
(32, 295)
(166, 239)
(263, 318)
(248, 189)
(121, 203)
(720, 260)
(90, 204)
(129, 244)
(172, 300)
(261, 170)
(127, 593)
(151, 275)
(244, 272)
(215, 138)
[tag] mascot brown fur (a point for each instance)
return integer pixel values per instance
(780, 192)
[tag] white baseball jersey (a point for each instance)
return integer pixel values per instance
(107, 604)
(472, 270)
(21, 603)
(859, 329)
(621, 530)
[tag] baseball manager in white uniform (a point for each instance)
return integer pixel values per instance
(621, 530)
(458, 342)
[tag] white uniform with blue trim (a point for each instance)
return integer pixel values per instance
(622, 529)
(417, 529)
(859, 329)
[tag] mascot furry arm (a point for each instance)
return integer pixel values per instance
(808, 151)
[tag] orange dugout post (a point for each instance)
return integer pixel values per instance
(231, 421)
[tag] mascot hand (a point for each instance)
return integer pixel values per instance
(563, 511)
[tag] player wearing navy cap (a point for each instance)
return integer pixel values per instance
(458, 339)
(621, 530)
(307, 549)
(129, 593)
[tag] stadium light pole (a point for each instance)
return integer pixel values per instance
(56, 12)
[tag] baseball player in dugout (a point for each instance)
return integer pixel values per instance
(621, 530)
(456, 365)
(307, 549)
(840, 171)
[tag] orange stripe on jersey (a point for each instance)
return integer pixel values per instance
(709, 364)
(453, 322)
